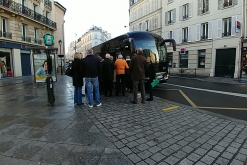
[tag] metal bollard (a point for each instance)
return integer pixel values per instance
(50, 90)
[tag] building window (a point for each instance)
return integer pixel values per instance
(135, 15)
(147, 8)
(201, 58)
(24, 30)
(170, 1)
(183, 60)
(140, 12)
(4, 26)
(147, 25)
(155, 23)
(204, 31)
(140, 26)
(185, 11)
(133, 28)
(227, 3)
(185, 34)
(205, 6)
(155, 5)
(170, 16)
(36, 35)
(226, 27)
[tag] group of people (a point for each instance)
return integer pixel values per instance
(99, 75)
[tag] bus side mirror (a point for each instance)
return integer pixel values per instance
(170, 40)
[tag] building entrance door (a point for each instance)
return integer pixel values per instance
(225, 62)
(244, 65)
(25, 64)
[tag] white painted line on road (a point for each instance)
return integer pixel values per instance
(208, 90)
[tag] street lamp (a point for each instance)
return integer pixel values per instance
(61, 55)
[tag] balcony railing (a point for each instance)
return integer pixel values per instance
(37, 41)
(204, 37)
(185, 16)
(226, 34)
(184, 40)
(48, 3)
(19, 8)
(27, 39)
(6, 35)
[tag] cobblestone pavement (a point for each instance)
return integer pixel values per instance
(116, 133)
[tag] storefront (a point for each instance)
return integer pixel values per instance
(6, 63)
(244, 60)
(15, 60)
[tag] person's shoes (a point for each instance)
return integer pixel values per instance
(149, 99)
(90, 106)
(133, 102)
(99, 105)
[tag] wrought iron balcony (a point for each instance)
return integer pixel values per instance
(226, 34)
(184, 40)
(48, 3)
(23, 10)
(170, 21)
(27, 39)
(204, 37)
(6, 35)
(185, 16)
(37, 41)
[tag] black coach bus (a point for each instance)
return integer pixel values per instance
(152, 44)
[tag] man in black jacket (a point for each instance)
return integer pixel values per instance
(107, 74)
(150, 76)
(91, 71)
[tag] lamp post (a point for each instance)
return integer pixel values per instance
(61, 55)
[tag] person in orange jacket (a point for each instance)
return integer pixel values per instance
(120, 66)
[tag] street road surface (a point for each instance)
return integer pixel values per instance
(226, 99)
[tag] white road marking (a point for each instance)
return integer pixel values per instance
(208, 90)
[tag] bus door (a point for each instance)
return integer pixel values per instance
(128, 47)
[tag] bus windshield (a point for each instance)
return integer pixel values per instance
(150, 43)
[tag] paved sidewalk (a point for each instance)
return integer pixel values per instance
(117, 133)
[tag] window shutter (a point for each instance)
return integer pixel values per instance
(144, 26)
(235, 2)
(199, 8)
(233, 29)
(210, 29)
(219, 28)
(180, 36)
(166, 18)
(174, 15)
(181, 13)
(190, 9)
(198, 32)
(220, 4)
(150, 25)
(168, 37)
(173, 34)
(189, 34)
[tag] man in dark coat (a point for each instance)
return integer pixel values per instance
(91, 71)
(138, 68)
(150, 76)
(107, 75)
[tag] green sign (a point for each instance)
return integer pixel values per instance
(48, 39)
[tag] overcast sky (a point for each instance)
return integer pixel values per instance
(111, 15)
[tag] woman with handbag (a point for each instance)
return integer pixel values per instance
(77, 76)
